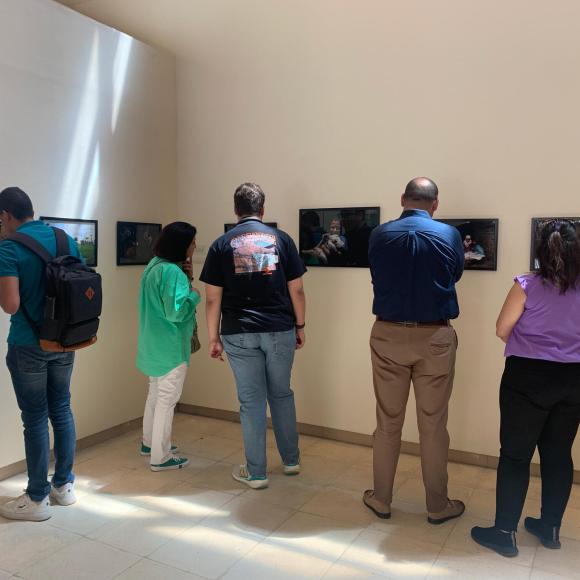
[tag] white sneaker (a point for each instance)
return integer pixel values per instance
(241, 473)
(63, 495)
(292, 469)
(24, 508)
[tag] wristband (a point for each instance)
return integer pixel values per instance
(300, 326)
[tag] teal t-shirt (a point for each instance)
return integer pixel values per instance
(16, 260)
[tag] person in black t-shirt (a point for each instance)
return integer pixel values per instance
(253, 276)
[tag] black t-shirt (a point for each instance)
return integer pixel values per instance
(253, 263)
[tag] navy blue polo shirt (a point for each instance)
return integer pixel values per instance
(415, 262)
(253, 263)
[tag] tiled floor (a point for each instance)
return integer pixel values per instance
(130, 523)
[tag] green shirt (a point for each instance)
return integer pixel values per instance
(18, 261)
(166, 318)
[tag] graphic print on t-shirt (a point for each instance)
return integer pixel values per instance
(255, 252)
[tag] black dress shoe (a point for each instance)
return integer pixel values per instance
(548, 535)
(504, 543)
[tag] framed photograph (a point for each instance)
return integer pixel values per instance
(228, 227)
(84, 232)
(337, 237)
(479, 237)
(537, 224)
(135, 241)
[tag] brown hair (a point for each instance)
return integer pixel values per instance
(558, 254)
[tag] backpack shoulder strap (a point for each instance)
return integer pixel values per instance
(33, 245)
(62, 245)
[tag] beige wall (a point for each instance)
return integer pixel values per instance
(334, 102)
(87, 128)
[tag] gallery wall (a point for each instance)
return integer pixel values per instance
(87, 128)
(330, 103)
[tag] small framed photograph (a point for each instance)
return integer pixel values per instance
(537, 224)
(84, 232)
(337, 237)
(480, 241)
(135, 242)
(228, 227)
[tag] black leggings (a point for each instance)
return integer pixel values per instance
(540, 406)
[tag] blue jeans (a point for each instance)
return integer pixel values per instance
(262, 365)
(42, 385)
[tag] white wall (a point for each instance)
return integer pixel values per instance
(334, 102)
(88, 129)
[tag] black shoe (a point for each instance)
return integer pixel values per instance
(548, 535)
(504, 543)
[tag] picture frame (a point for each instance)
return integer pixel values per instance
(231, 226)
(337, 237)
(480, 237)
(536, 225)
(84, 232)
(135, 242)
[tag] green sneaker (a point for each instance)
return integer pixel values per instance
(291, 469)
(173, 463)
(241, 473)
(146, 451)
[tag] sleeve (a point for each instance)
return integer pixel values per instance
(212, 272)
(179, 301)
(8, 260)
(294, 266)
(524, 281)
(458, 249)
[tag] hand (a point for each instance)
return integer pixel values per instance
(300, 338)
(187, 267)
(216, 349)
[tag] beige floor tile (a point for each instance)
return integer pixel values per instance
(571, 524)
(344, 572)
(466, 475)
(148, 570)
(394, 557)
(460, 540)
(273, 460)
(137, 483)
(211, 447)
(5, 575)
(343, 452)
(356, 478)
(565, 562)
(413, 491)
(341, 505)
(541, 575)
(575, 496)
(456, 564)
(230, 430)
(219, 477)
(319, 471)
(24, 543)
(290, 492)
(205, 551)
(84, 559)
(193, 425)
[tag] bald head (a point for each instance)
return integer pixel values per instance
(421, 193)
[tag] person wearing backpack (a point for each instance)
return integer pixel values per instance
(167, 304)
(41, 379)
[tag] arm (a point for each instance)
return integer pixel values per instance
(298, 298)
(179, 300)
(511, 312)
(213, 310)
(9, 294)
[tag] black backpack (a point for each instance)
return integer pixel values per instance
(73, 297)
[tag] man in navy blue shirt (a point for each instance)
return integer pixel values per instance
(415, 263)
(253, 276)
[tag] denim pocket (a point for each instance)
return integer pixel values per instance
(26, 359)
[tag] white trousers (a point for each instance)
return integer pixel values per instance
(164, 393)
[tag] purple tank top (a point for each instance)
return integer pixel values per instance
(549, 328)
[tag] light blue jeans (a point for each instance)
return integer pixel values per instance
(262, 365)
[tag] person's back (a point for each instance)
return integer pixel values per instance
(253, 276)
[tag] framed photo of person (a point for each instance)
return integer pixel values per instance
(337, 237)
(537, 224)
(228, 227)
(135, 242)
(84, 232)
(480, 241)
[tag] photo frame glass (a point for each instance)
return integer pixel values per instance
(135, 242)
(84, 232)
(337, 237)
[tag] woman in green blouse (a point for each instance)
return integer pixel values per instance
(167, 305)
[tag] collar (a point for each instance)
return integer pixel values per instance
(416, 212)
(27, 224)
(251, 218)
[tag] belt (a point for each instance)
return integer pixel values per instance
(414, 323)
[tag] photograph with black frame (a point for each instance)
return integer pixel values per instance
(84, 232)
(337, 237)
(480, 241)
(135, 242)
(537, 224)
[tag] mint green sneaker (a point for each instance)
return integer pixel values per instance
(241, 473)
(146, 451)
(173, 463)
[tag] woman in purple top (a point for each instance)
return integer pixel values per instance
(540, 390)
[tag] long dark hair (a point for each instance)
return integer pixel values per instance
(173, 241)
(558, 254)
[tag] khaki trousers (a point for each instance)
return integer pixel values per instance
(425, 355)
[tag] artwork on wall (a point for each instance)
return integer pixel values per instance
(84, 232)
(135, 241)
(479, 237)
(228, 227)
(335, 237)
(537, 224)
